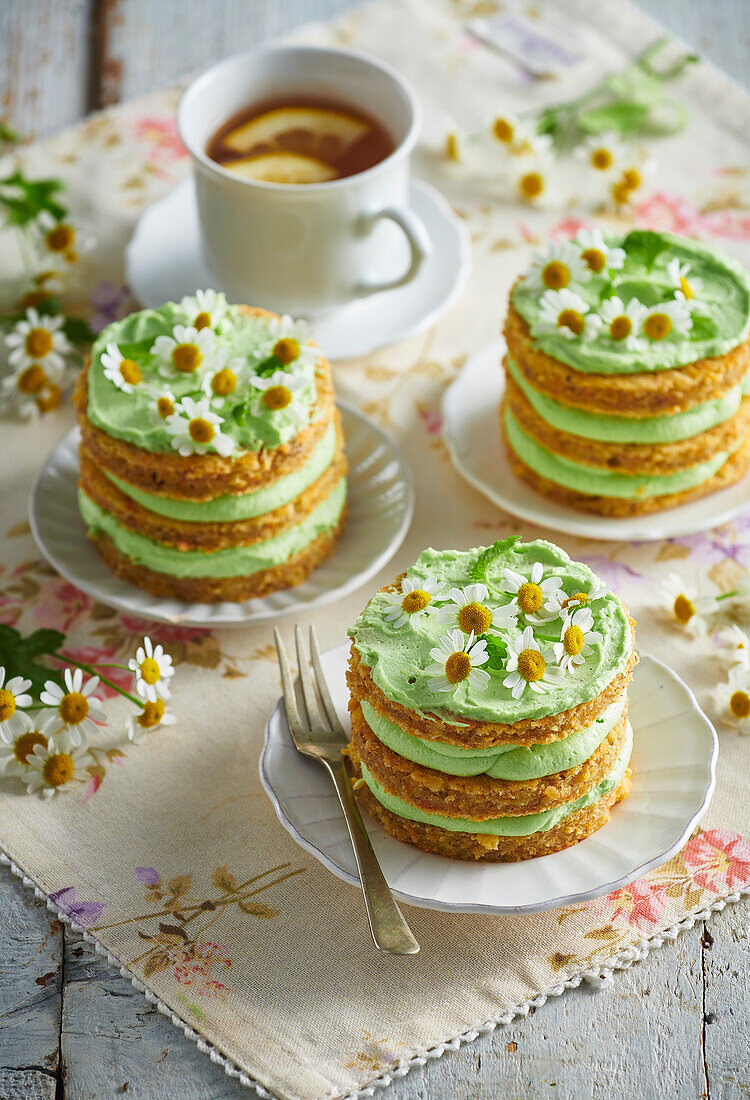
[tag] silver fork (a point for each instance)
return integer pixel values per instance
(317, 732)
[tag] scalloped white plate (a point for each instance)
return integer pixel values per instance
(673, 765)
(380, 503)
(472, 433)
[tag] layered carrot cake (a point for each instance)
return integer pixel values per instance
(489, 702)
(211, 455)
(627, 385)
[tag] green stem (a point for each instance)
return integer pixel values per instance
(93, 672)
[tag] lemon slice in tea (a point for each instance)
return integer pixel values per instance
(298, 129)
(282, 168)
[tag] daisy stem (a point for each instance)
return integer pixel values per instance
(110, 683)
(728, 595)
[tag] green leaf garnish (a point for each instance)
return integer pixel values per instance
(22, 200)
(643, 246)
(488, 556)
(498, 652)
(18, 655)
(626, 118)
(703, 327)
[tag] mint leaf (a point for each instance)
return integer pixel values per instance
(485, 559)
(624, 118)
(498, 653)
(703, 327)
(23, 199)
(643, 246)
(17, 655)
(78, 331)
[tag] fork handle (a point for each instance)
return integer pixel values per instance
(389, 929)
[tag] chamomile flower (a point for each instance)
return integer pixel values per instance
(735, 645)
(55, 766)
(287, 342)
(557, 266)
(281, 392)
(121, 371)
(602, 152)
(76, 709)
(630, 181)
(559, 601)
(536, 596)
(598, 256)
(532, 180)
(733, 698)
(667, 319)
(38, 340)
(163, 405)
(15, 749)
(30, 391)
(622, 322)
(687, 604)
(227, 380)
(527, 666)
(204, 309)
(187, 351)
(62, 241)
(196, 430)
(153, 715)
(454, 662)
(508, 130)
(153, 669)
(416, 599)
(467, 609)
(688, 287)
(14, 697)
(577, 639)
(565, 313)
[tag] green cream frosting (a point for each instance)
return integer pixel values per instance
(721, 325)
(630, 429)
(132, 416)
(399, 656)
(236, 561)
(519, 825)
(600, 482)
(505, 762)
(240, 505)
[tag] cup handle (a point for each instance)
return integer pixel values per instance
(419, 243)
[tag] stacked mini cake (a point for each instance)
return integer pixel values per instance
(489, 702)
(211, 456)
(627, 372)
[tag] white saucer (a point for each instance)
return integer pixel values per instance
(472, 432)
(163, 263)
(380, 506)
(673, 766)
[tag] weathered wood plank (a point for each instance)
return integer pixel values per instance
(727, 1002)
(27, 1084)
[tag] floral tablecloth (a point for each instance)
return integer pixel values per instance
(170, 857)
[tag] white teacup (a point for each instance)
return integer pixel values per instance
(305, 248)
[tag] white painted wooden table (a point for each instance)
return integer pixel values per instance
(676, 1025)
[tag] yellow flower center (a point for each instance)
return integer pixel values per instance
(476, 617)
(7, 704)
(457, 667)
(530, 598)
(149, 670)
(503, 130)
(48, 398)
(620, 327)
(277, 397)
(165, 407)
(531, 185)
(580, 597)
(61, 238)
(32, 379)
(686, 288)
(130, 372)
(286, 350)
(24, 745)
(187, 358)
(601, 159)
(556, 275)
(71, 255)
(657, 326)
(58, 769)
(200, 430)
(621, 192)
(224, 383)
(684, 609)
(739, 704)
(572, 319)
(415, 601)
(594, 259)
(74, 707)
(531, 665)
(202, 320)
(151, 715)
(39, 343)
(452, 149)
(631, 179)
(573, 641)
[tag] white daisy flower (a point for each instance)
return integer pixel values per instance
(38, 340)
(288, 342)
(467, 609)
(187, 351)
(577, 639)
(76, 708)
(557, 266)
(733, 698)
(622, 322)
(687, 604)
(228, 380)
(535, 596)
(14, 697)
(415, 598)
(196, 430)
(55, 766)
(63, 241)
(597, 254)
(667, 319)
(204, 309)
(631, 180)
(122, 372)
(688, 287)
(531, 182)
(153, 715)
(559, 601)
(509, 130)
(281, 394)
(735, 645)
(565, 313)
(153, 668)
(16, 748)
(163, 404)
(602, 152)
(454, 662)
(527, 666)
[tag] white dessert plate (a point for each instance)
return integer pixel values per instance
(673, 766)
(380, 506)
(164, 262)
(471, 429)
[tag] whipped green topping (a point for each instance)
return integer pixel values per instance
(239, 505)
(507, 762)
(518, 825)
(718, 300)
(234, 340)
(399, 655)
(631, 429)
(235, 561)
(597, 481)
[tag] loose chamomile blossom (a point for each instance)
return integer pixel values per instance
(537, 597)
(29, 391)
(76, 708)
(531, 181)
(454, 662)
(733, 698)
(577, 639)
(603, 152)
(558, 265)
(735, 645)
(510, 132)
(597, 254)
(121, 371)
(467, 609)
(415, 599)
(281, 394)
(565, 313)
(667, 319)
(196, 430)
(153, 668)
(204, 309)
(187, 351)
(16, 749)
(38, 341)
(54, 766)
(153, 715)
(622, 323)
(63, 242)
(686, 604)
(630, 181)
(688, 287)
(527, 666)
(14, 697)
